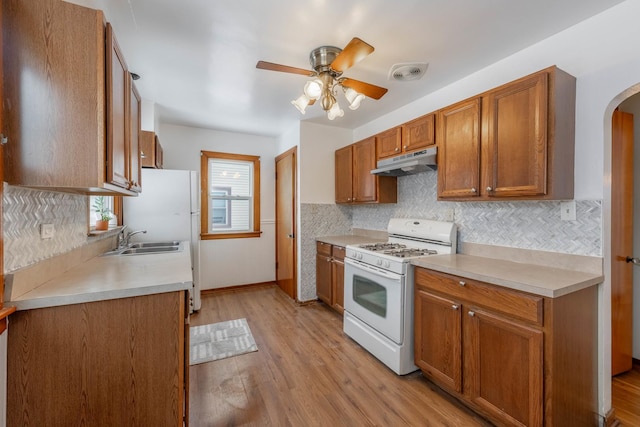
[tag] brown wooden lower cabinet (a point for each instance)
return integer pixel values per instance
(121, 362)
(330, 275)
(516, 358)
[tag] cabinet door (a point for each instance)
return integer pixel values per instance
(337, 279)
(147, 141)
(503, 368)
(389, 143)
(323, 278)
(459, 150)
(517, 138)
(418, 133)
(364, 160)
(344, 174)
(117, 113)
(135, 171)
(438, 339)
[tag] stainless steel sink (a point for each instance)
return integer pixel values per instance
(155, 244)
(147, 248)
(152, 250)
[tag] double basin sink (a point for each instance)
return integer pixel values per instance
(147, 248)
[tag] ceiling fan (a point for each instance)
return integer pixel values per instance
(328, 63)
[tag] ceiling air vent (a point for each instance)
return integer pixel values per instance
(407, 72)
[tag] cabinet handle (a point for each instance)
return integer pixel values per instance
(462, 283)
(471, 313)
(489, 189)
(473, 190)
(455, 307)
(3, 139)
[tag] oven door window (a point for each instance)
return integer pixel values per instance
(370, 295)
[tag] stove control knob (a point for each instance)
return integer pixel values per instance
(379, 262)
(387, 264)
(359, 256)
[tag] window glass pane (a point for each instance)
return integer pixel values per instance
(230, 195)
(237, 176)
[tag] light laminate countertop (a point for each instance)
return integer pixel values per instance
(112, 277)
(540, 280)
(348, 239)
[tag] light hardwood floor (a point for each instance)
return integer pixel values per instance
(625, 397)
(306, 372)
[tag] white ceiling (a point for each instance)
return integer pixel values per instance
(197, 58)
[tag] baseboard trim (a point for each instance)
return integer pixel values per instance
(204, 292)
(610, 419)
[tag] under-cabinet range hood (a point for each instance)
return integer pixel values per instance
(407, 164)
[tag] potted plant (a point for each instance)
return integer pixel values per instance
(102, 212)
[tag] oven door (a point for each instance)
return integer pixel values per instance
(375, 297)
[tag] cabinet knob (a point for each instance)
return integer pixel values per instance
(454, 307)
(397, 149)
(3, 139)
(471, 314)
(489, 189)
(462, 283)
(405, 147)
(473, 190)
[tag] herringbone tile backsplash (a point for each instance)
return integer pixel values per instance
(25, 210)
(534, 225)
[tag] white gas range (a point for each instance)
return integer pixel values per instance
(378, 287)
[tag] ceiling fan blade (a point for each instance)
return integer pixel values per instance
(284, 68)
(367, 89)
(354, 52)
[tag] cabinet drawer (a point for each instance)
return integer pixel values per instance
(323, 248)
(338, 252)
(515, 304)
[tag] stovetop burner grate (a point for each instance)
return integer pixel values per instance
(410, 252)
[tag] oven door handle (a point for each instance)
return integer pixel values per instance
(374, 270)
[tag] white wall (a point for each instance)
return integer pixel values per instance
(318, 144)
(224, 262)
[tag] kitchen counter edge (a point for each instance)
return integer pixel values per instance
(348, 239)
(535, 279)
(112, 277)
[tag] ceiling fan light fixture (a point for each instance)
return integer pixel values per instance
(313, 88)
(301, 103)
(353, 97)
(335, 111)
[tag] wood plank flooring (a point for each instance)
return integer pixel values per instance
(625, 397)
(306, 372)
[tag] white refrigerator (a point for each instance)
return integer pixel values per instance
(169, 209)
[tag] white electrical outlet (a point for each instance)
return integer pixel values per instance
(47, 231)
(448, 215)
(568, 210)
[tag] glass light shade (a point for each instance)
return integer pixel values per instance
(353, 97)
(335, 111)
(313, 88)
(301, 103)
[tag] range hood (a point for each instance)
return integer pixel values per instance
(407, 164)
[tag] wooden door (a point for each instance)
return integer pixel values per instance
(117, 114)
(621, 242)
(286, 223)
(364, 160)
(503, 371)
(135, 166)
(418, 133)
(344, 174)
(438, 339)
(459, 150)
(389, 143)
(517, 139)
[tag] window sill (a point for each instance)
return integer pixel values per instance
(244, 235)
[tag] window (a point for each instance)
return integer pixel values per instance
(108, 203)
(230, 195)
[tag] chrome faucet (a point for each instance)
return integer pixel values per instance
(127, 238)
(120, 238)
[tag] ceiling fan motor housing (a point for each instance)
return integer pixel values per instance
(322, 57)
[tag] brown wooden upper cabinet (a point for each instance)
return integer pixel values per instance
(513, 142)
(354, 181)
(150, 150)
(411, 136)
(69, 116)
